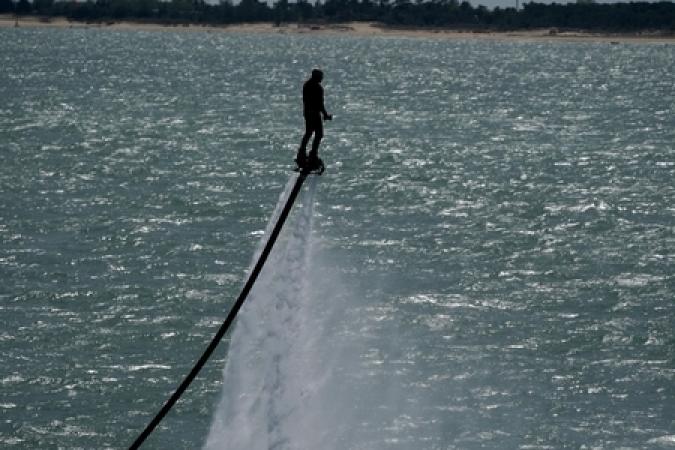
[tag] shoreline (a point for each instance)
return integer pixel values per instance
(365, 29)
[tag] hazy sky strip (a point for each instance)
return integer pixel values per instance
(489, 3)
(512, 3)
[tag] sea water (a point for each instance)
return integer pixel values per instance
(487, 262)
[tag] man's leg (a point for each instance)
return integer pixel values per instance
(305, 140)
(318, 135)
(302, 151)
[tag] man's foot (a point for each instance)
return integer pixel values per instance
(314, 164)
(313, 161)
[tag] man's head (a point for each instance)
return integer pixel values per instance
(317, 75)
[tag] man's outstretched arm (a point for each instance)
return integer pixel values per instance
(326, 116)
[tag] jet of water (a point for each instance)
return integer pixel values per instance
(274, 368)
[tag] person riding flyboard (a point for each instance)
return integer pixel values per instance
(314, 113)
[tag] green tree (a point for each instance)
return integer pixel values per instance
(6, 6)
(282, 12)
(145, 8)
(180, 9)
(305, 10)
(43, 6)
(23, 7)
(224, 12)
(252, 11)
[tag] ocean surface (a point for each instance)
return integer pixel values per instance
(488, 261)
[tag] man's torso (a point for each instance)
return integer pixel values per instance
(312, 97)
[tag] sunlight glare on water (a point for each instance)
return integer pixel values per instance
(492, 245)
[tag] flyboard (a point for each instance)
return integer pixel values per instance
(310, 166)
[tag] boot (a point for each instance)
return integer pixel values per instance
(313, 161)
(301, 158)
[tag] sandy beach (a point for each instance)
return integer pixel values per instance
(351, 28)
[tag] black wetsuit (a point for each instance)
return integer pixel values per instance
(313, 110)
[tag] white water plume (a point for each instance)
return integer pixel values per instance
(275, 368)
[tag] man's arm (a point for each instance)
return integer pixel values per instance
(326, 116)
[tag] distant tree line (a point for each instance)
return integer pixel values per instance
(584, 14)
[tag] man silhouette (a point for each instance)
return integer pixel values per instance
(315, 113)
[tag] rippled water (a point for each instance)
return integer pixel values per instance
(494, 233)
